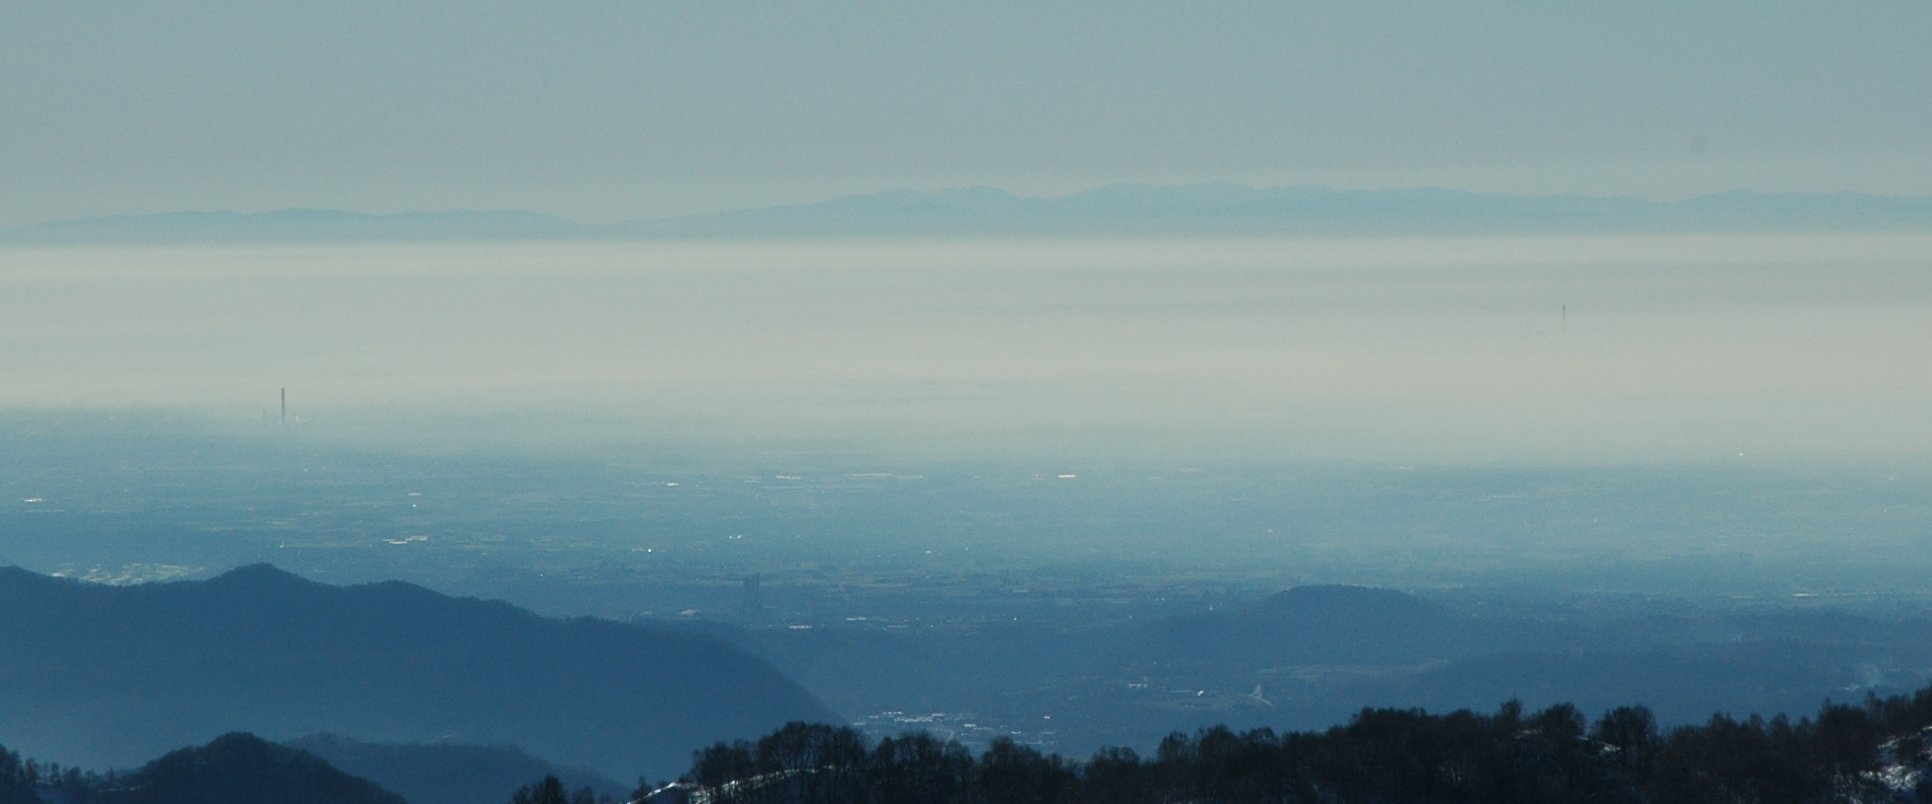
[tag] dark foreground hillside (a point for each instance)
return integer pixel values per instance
(110, 676)
(1875, 752)
(1872, 752)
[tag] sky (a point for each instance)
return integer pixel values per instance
(623, 110)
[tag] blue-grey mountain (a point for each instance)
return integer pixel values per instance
(1219, 209)
(299, 226)
(107, 676)
(1225, 209)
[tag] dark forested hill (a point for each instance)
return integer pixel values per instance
(445, 773)
(16, 784)
(237, 768)
(112, 675)
(244, 769)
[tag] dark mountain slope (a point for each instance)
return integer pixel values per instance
(445, 773)
(109, 675)
(244, 769)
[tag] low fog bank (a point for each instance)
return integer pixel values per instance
(1568, 350)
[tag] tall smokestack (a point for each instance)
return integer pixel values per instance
(284, 407)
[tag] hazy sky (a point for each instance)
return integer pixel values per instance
(608, 111)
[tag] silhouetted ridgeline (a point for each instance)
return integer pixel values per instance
(1869, 753)
(109, 676)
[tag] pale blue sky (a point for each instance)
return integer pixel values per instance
(607, 111)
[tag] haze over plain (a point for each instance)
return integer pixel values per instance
(1418, 349)
(1612, 349)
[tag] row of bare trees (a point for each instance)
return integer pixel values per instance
(1381, 755)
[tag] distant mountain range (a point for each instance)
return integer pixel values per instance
(298, 225)
(107, 676)
(1203, 210)
(1310, 656)
(1223, 209)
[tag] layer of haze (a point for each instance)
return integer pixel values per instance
(609, 111)
(1570, 349)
